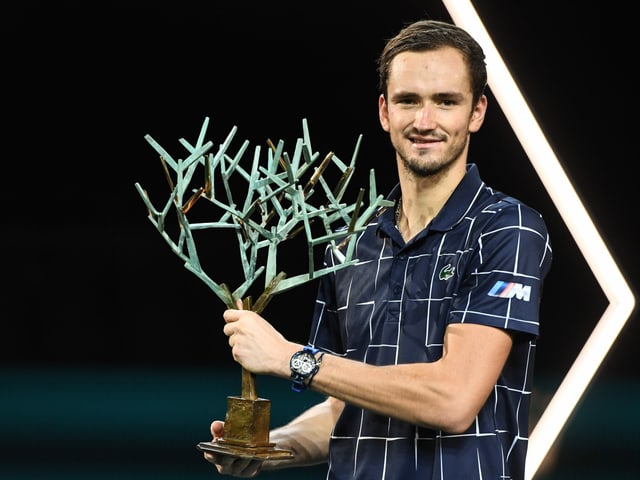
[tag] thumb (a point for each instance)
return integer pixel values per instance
(217, 429)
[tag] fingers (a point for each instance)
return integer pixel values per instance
(228, 330)
(237, 467)
(227, 464)
(246, 468)
(231, 315)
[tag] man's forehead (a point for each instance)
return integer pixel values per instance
(444, 68)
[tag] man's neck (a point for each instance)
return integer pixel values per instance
(423, 198)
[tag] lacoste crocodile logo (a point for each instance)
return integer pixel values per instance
(447, 272)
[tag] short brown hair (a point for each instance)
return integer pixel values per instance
(431, 35)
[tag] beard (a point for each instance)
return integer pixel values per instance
(418, 167)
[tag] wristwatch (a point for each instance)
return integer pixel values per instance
(304, 366)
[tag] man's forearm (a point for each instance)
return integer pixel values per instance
(307, 436)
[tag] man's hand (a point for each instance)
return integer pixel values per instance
(256, 345)
(228, 465)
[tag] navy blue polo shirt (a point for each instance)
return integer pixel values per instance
(481, 260)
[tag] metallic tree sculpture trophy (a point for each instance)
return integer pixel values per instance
(274, 206)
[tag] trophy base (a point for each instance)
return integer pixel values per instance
(263, 452)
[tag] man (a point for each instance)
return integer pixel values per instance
(428, 342)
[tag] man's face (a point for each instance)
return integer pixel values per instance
(428, 109)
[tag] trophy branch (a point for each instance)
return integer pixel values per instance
(272, 200)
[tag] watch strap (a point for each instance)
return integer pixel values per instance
(310, 349)
(318, 363)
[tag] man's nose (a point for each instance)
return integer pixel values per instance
(424, 117)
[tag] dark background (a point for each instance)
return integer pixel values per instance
(112, 354)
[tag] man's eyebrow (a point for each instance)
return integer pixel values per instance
(403, 94)
(456, 96)
(440, 96)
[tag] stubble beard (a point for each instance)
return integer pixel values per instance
(421, 168)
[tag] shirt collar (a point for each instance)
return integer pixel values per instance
(460, 201)
(453, 211)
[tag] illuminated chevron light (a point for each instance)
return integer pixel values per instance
(606, 271)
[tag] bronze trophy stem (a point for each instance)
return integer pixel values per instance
(247, 422)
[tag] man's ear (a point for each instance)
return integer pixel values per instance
(383, 113)
(478, 113)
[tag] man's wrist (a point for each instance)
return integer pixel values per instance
(304, 365)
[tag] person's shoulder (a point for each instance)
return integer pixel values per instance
(504, 208)
(502, 200)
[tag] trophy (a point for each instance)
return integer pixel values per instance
(263, 205)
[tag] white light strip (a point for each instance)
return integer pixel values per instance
(574, 214)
